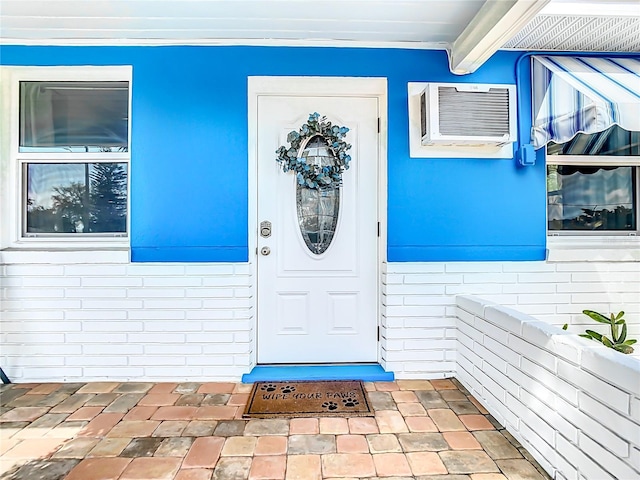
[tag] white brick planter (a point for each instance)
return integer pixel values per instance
(418, 319)
(575, 405)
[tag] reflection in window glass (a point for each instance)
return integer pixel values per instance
(591, 198)
(76, 198)
(74, 116)
(317, 216)
(615, 141)
(318, 209)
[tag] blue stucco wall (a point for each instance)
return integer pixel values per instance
(189, 185)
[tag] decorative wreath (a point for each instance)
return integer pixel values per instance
(316, 176)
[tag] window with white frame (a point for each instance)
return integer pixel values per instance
(592, 184)
(70, 154)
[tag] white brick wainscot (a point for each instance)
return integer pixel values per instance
(93, 315)
(124, 321)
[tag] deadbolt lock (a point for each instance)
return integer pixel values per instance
(265, 251)
(265, 229)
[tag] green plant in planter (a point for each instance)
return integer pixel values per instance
(618, 339)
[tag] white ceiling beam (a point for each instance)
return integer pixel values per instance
(494, 24)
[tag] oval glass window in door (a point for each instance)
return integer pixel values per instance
(318, 209)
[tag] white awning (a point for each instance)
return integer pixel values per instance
(574, 95)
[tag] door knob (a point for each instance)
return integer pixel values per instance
(265, 251)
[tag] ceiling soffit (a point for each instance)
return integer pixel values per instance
(470, 30)
(579, 33)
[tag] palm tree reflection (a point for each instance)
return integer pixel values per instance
(77, 198)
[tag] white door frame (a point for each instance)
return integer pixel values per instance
(308, 86)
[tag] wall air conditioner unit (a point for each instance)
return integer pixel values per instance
(468, 114)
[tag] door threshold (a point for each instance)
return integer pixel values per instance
(367, 372)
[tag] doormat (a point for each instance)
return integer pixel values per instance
(330, 398)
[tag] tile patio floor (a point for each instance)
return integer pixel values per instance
(423, 430)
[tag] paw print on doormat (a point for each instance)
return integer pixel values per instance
(288, 389)
(350, 402)
(330, 405)
(268, 387)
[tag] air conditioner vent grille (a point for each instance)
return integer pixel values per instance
(473, 113)
(423, 114)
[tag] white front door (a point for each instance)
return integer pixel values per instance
(318, 308)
